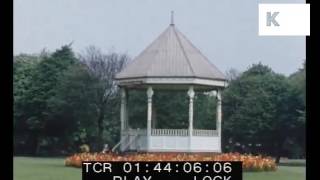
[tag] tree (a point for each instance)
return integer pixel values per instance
(23, 69)
(62, 102)
(298, 82)
(41, 86)
(102, 68)
(71, 109)
(260, 111)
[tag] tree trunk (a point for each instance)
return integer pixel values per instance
(100, 130)
(34, 143)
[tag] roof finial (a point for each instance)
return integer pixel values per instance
(172, 23)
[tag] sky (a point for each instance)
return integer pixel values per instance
(226, 31)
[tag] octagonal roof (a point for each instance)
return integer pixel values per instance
(171, 56)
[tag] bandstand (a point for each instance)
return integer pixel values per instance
(170, 62)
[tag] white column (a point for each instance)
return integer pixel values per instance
(122, 115)
(219, 117)
(149, 94)
(126, 117)
(191, 97)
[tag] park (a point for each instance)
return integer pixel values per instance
(169, 103)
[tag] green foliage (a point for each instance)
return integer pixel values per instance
(260, 107)
(35, 81)
(171, 109)
(71, 108)
(204, 111)
(23, 69)
(137, 109)
(62, 101)
(298, 80)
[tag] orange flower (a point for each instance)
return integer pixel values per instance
(249, 162)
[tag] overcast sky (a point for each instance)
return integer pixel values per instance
(226, 31)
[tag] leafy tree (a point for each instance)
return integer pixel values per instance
(23, 69)
(41, 86)
(298, 82)
(260, 111)
(71, 109)
(61, 102)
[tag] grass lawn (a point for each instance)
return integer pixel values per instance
(26, 168)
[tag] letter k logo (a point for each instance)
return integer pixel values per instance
(271, 18)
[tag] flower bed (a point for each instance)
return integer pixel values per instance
(249, 162)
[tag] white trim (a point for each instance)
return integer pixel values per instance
(178, 81)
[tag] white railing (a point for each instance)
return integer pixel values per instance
(204, 132)
(169, 132)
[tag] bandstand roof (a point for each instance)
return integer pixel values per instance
(171, 59)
